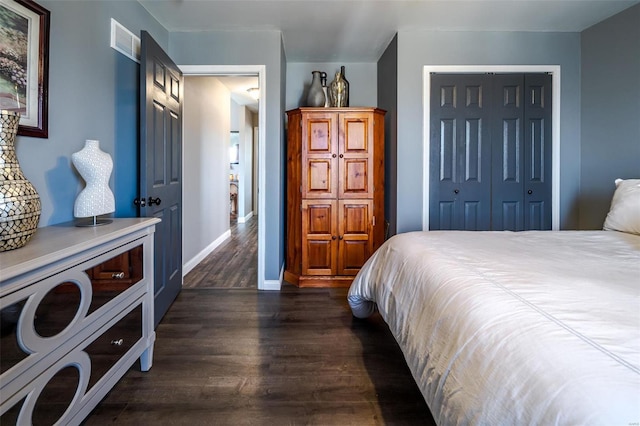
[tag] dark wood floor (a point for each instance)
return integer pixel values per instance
(243, 357)
(233, 264)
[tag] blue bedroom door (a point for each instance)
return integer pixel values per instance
(161, 92)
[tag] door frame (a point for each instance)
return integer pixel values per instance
(260, 70)
(554, 70)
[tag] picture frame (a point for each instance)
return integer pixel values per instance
(24, 64)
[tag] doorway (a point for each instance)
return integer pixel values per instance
(259, 72)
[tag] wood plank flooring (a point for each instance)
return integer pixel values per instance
(233, 264)
(244, 357)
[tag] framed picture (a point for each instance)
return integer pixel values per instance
(24, 64)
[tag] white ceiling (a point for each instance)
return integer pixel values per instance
(360, 30)
(238, 86)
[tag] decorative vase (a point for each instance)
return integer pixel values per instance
(346, 86)
(19, 201)
(338, 92)
(315, 97)
(323, 79)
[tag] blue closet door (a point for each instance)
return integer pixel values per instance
(490, 152)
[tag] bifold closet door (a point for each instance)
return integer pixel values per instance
(490, 151)
(521, 152)
(460, 177)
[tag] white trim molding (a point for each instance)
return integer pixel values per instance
(244, 219)
(187, 267)
(274, 285)
(261, 71)
(554, 70)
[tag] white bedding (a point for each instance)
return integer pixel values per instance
(514, 328)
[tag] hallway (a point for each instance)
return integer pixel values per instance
(231, 265)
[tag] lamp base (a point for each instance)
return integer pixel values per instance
(92, 221)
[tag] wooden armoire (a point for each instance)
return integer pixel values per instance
(335, 193)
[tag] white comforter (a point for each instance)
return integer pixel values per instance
(514, 328)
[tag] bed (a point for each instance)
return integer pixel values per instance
(535, 327)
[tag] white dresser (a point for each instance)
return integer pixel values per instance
(76, 312)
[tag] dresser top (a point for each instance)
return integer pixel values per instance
(52, 243)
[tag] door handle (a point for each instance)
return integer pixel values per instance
(140, 202)
(155, 201)
(530, 192)
(456, 191)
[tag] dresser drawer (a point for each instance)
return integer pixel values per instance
(64, 385)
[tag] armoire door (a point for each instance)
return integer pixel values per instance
(320, 155)
(319, 237)
(490, 152)
(355, 243)
(355, 159)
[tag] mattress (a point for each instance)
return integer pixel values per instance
(535, 327)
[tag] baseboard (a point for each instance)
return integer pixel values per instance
(274, 285)
(192, 263)
(246, 218)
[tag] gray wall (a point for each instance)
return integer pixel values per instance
(207, 104)
(419, 48)
(388, 100)
(93, 94)
(610, 112)
(251, 48)
(361, 77)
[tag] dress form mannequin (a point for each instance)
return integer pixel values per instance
(95, 168)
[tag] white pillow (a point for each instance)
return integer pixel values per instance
(624, 214)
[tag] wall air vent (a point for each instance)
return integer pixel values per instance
(124, 41)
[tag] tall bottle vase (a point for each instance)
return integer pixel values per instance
(19, 201)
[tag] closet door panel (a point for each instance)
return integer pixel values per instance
(460, 179)
(507, 153)
(537, 155)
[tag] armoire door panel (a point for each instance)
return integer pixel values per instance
(355, 179)
(319, 134)
(319, 179)
(319, 219)
(355, 160)
(353, 254)
(354, 235)
(354, 133)
(319, 237)
(320, 156)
